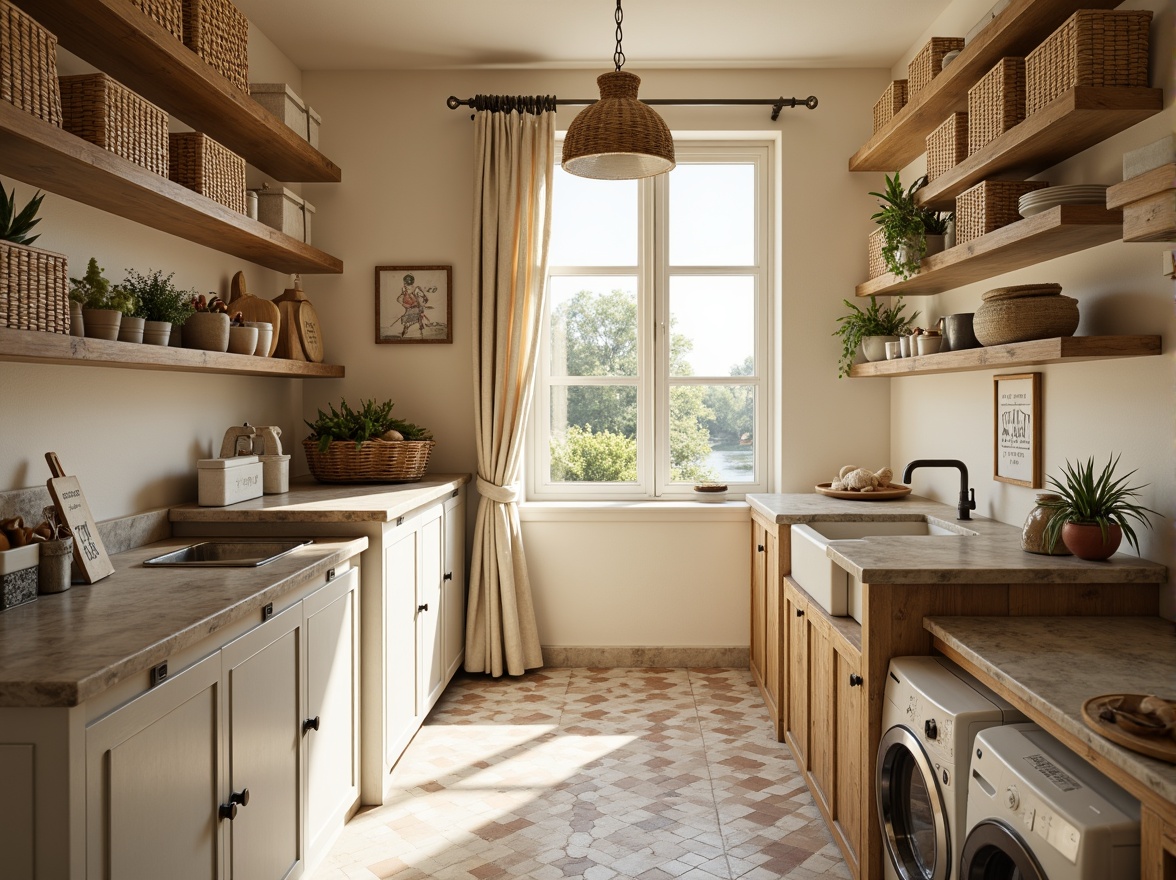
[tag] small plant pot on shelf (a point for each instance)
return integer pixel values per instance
(130, 329)
(874, 347)
(157, 332)
(102, 323)
(265, 336)
(242, 340)
(77, 324)
(207, 331)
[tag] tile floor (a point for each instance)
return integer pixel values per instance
(649, 774)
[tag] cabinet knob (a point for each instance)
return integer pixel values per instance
(310, 724)
(855, 680)
(800, 612)
(229, 810)
(421, 608)
(448, 576)
(759, 548)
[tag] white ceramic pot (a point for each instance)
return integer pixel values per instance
(929, 344)
(130, 329)
(157, 332)
(265, 335)
(874, 347)
(208, 331)
(242, 340)
(102, 323)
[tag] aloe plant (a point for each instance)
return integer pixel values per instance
(14, 224)
(1089, 500)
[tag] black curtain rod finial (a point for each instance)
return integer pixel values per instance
(550, 102)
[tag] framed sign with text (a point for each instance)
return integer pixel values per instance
(1017, 429)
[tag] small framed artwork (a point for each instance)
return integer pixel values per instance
(1017, 429)
(413, 304)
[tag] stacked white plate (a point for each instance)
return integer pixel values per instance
(1051, 196)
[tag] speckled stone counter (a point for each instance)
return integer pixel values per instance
(65, 648)
(992, 554)
(1052, 665)
(313, 502)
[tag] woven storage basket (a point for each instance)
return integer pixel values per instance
(218, 32)
(874, 254)
(928, 64)
(169, 13)
(999, 322)
(989, 205)
(892, 100)
(103, 111)
(198, 162)
(34, 289)
(947, 146)
(996, 103)
(375, 461)
(28, 65)
(1094, 47)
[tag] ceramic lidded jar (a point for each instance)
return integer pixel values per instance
(1033, 532)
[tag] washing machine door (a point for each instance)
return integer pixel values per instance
(994, 851)
(911, 810)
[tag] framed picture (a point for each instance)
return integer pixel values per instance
(1017, 429)
(413, 304)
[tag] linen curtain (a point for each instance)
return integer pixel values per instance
(514, 140)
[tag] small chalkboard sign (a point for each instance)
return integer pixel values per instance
(72, 509)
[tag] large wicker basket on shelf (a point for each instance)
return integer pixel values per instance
(218, 32)
(28, 65)
(34, 289)
(168, 13)
(989, 205)
(947, 146)
(996, 103)
(928, 64)
(374, 461)
(892, 100)
(201, 164)
(106, 113)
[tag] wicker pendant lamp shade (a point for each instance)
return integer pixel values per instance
(618, 137)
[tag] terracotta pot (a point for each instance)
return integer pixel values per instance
(102, 323)
(130, 329)
(1033, 532)
(157, 332)
(1085, 540)
(208, 331)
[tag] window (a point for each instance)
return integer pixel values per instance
(654, 369)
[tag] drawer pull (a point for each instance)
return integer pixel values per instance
(448, 576)
(759, 548)
(310, 724)
(855, 680)
(229, 810)
(800, 612)
(421, 608)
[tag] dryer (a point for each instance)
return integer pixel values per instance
(1039, 812)
(933, 711)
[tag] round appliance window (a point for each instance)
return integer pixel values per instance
(993, 851)
(911, 809)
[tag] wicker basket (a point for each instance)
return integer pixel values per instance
(198, 162)
(218, 32)
(103, 111)
(874, 261)
(996, 103)
(169, 13)
(928, 64)
(374, 461)
(28, 65)
(1094, 47)
(989, 205)
(34, 289)
(892, 100)
(947, 146)
(999, 322)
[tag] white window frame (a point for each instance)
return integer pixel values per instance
(653, 381)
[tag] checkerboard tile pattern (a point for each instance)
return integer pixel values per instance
(632, 774)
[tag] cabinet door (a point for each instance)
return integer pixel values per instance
(332, 708)
(264, 722)
(820, 744)
(431, 661)
(772, 644)
(400, 633)
(759, 558)
(153, 783)
(847, 687)
(798, 678)
(453, 597)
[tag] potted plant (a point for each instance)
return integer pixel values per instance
(160, 303)
(103, 305)
(366, 445)
(35, 277)
(207, 328)
(867, 331)
(906, 226)
(1092, 514)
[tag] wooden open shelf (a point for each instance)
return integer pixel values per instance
(1061, 230)
(1016, 31)
(1077, 119)
(55, 160)
(1062, 349)
(1148, 201)
(32, 346)
(116, 37)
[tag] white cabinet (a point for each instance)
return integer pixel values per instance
(398, 695)
(453, 586)
(430, 637)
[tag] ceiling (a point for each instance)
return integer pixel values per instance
(432, 34)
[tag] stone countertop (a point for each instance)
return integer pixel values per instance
(62, 649)
(991, 555)
(1055, 664)
(309, 501)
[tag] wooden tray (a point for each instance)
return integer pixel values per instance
(895, 491)
(1160, 747)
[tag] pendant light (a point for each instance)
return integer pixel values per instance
(618, 137)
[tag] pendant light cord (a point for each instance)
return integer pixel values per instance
(618, 55)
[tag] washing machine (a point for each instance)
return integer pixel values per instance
(933, 711)
(1036, 811)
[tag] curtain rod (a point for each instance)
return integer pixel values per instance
(777, 104)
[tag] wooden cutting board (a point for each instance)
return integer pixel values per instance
(310, 333)
(72, 509)
(289, 343)
(254, 308)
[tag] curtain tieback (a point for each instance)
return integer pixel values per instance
(501, 494)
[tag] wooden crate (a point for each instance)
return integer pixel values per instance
(1094, 47)
(928, 64)
(996, 103)
(892, 100)
(989, 205)
(28, 65)
(201, 164)
(947, 146)
(104, 112)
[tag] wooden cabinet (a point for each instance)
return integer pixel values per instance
(797, 735)
(768, 626)
(1158, 844)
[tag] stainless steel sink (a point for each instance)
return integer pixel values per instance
(229, 553)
